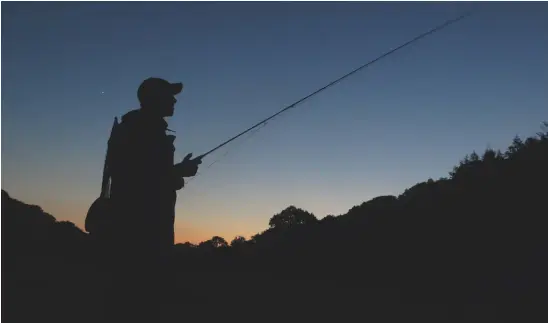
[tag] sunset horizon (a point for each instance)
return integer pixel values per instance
(410, 117)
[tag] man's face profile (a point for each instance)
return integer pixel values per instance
(164, 104)
(167, 105)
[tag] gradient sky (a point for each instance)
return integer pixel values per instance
(69, 68)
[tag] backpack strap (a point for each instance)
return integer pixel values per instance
(105, 184)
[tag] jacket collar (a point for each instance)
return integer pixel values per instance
(137, 116)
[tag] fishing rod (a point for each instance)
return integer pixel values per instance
(263, 122)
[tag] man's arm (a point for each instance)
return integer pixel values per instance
(179, 182)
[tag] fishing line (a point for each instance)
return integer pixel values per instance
(263, 122)
(228, 150)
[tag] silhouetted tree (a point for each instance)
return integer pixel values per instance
(328, 218)
(186, 245)
(238, 241)
(219, 242)
(215, 242)
(516, 145)
(291, 216)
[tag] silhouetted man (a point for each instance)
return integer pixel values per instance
(144, 181)
(144, 177)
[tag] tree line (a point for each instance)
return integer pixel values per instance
(487, 216)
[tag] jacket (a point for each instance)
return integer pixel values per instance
(143, 187)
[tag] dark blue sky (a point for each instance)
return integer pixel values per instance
(69, 68)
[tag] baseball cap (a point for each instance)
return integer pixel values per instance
(154, 87)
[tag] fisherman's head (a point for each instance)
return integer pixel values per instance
(157, 96)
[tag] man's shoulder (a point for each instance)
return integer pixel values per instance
(135, 126)
(131, 118)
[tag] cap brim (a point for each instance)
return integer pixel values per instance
(176, 88)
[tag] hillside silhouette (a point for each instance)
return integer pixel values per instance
(473, 243)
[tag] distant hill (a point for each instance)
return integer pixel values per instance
(27, 230)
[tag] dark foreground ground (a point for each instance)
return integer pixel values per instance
(42, 290)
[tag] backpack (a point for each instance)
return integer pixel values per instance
(99, 211)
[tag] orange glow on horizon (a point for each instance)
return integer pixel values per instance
(185, 231)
